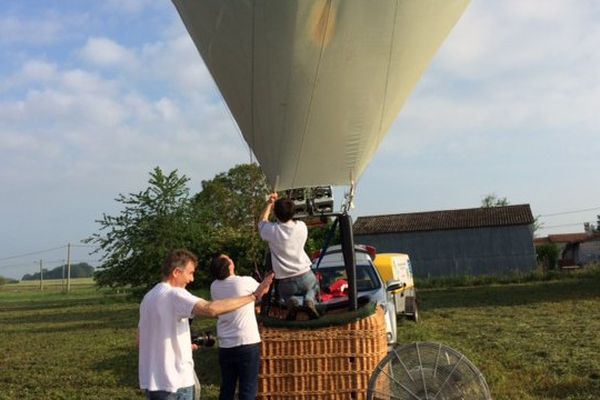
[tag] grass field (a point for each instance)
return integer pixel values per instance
(532, 341)
(52, 285)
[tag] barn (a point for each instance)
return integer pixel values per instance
(472, 241)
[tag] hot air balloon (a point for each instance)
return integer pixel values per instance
(314, 85)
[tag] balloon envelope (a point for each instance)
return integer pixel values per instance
(314, 85)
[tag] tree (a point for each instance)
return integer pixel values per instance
(590, 228)
(221, 218)
(317, 236)
(491, 200)
(547, 255)
(228, 208)
(151, 224)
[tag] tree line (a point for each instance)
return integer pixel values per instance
(79, 270)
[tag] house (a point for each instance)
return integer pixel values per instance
(575, 248)
(473, 241)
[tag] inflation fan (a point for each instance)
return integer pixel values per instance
(427, 371)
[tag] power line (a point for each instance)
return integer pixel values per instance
(47, 250)
(563, 225)
(88, 260)
(32, 253)
(570, 212)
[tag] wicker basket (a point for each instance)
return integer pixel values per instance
(327, 363)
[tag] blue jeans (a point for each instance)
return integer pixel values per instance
(239, 363)
(301, 288)
(186, 393)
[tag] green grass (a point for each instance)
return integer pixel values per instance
(48, 285)
(536, 340)
(589, 272)
(531, 341)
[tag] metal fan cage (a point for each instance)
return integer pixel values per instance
(427, 371)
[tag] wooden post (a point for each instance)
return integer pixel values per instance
(68, 267)
(62, 281)
(41, 277)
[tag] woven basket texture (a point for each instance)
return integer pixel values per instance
(332, 363)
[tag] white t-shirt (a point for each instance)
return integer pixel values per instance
(165, 348)
(237, 327)
(286, 242)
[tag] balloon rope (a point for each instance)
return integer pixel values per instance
(349, 199)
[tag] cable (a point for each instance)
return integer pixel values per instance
(563, 225)
(569, 212)
(45, 263)
(32, 253)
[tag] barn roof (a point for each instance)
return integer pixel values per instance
(444, 220)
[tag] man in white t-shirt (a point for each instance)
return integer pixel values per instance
(239, 339)
(296, 283)
(166, 367)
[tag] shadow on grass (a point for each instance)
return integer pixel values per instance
(571, 390)
(123, 366)
(510, 295)
(206, 363)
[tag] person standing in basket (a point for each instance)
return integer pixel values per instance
(239, 339)
(296, 283)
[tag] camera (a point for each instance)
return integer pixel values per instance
(203, 340)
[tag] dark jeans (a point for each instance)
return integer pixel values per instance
(186, 393)
(239, 363)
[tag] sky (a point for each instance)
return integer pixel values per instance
(95, 94)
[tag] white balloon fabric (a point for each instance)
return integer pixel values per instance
(314, 85)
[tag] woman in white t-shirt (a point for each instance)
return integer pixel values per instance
(237, 331)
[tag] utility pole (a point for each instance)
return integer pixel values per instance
(41, 277)
(62, 282)
(68, 267)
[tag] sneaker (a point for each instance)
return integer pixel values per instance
(292, 307)
(311, 310)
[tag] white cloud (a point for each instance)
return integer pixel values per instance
(35, 31)
(177, 60)
(510, 69)
(36, 70)
(494, 39)
(168, 110)
(104, 52)
(129, 6)
(87, 120)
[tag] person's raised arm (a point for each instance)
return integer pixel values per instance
(218, 307)
(267, 211)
